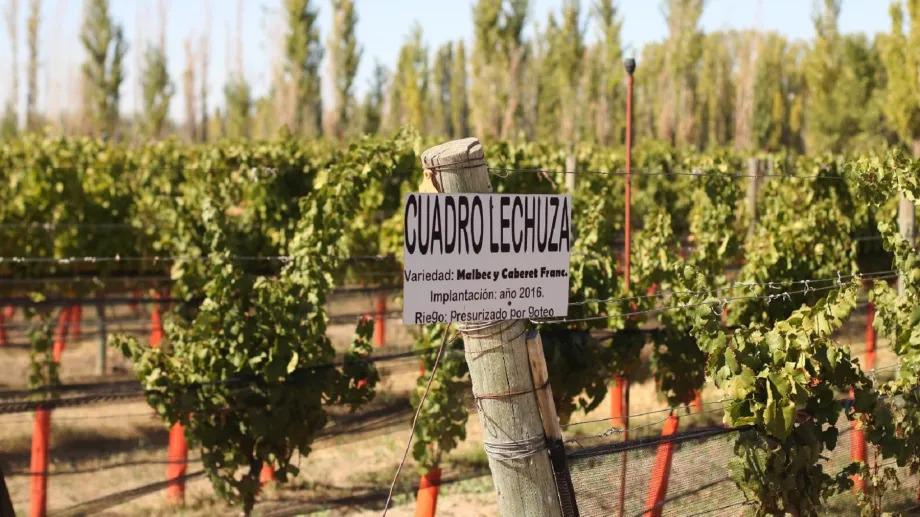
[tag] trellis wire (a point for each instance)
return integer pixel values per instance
(505, 172)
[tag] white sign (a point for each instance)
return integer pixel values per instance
(485, 257)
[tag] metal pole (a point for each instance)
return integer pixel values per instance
(630, 65)
(103, 336)
(630, 68)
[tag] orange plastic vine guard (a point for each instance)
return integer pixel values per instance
(156, 327)
(427, 499)
(3, 338)
(380, 322)
(697, 403)
(617, 401)
(658, 486)
(60, 334)
(76, 316)
(176, 459)
(267, 474)
(38, 467)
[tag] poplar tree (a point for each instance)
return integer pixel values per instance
(900, 56)
(604, 89)
(715, 89)
(303, 54)
(237, 94)
(840, 74)
(774, 88)
(648, 103)
(103, 71)
(188, 91)
(344, 56)
(560, 99)
(409, 88)
(32, 26)
(440, 122)
(203, 62)
(10, 123)
(677, 85)
(157, 90)
(372, 107)
(822, 72)
(239, 108)
(459, 106)
(499, 61)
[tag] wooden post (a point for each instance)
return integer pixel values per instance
(570, 165)
(661, 472)
(551, 428)
(498, 360)
(753, 187)
(906, 226)
(38, 466)
(103, 336)
(6, 503)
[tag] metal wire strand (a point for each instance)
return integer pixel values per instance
(515, 449)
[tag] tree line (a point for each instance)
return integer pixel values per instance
(561, 82)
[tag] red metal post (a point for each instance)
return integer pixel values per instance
(658, 487)
(621, 389)
(38, 467)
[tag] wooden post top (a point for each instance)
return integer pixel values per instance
(456, 166)
(453, 154)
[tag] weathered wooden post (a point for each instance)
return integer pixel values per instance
(570, 166)
(753, 187)
(499, 365)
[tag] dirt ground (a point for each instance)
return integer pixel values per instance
(109, 459)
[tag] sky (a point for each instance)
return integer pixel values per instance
(382, 28)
